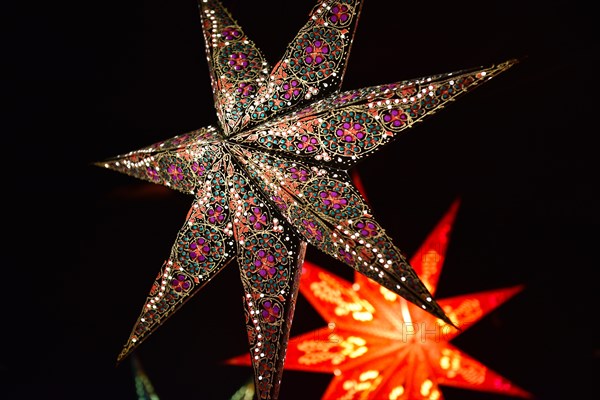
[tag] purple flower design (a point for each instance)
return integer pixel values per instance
(258, 218)
(238, 61)
(333, 199)
(395, 118)
(291, 89)
(367, 229)
(299, 174)
(350, 132)
(216, 215)
(230, 34)
(307, 143)
(280, 202)
(180, 284)
(153, 174)
(199, 249)
(198, 168)
(266, 264)
(347, 256)
(339, 13)
(315, 52)
(270, 312)
(312, 229)
(175, 172)
(245, 89)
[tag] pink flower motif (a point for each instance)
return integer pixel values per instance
(367, 229)
(339, 13)
(153, 174)
(307, 143)
(299, 174)
(175, 172)
(245, 89)
(180, 284)
(199, 249)
(350, 132)
(198, 168)
(270, 312)
(316, 52)
(238, 61)
(313, 230)
(280, 202)
(215, 215)
(291, 90)
(395, 117)
(230, 34)
(333, 199)
(347, 256)
(258, 218)
(266, 264)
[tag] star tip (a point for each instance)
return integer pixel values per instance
(514, 61)
(101, 164)
(120, 359)
(518, 288)
(233, 361)
(524, 394)
(507, 63)
(455, 205)
(455, 326)
(447, 320)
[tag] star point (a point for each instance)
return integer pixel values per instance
(379, 346)
(273, 175)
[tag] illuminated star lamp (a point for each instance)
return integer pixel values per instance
(378, 346)
(272, 175)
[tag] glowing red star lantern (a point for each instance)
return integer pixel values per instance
(379, 346)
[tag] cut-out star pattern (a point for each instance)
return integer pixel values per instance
(272, 176)
(378, 346)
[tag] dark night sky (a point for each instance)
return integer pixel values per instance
(96, 79)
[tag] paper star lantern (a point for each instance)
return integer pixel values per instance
(378, 346)
(272, 176)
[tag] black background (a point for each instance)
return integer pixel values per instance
(82, 245)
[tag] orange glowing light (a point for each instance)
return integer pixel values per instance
(379, 346)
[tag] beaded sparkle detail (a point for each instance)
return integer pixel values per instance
(273, 177)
